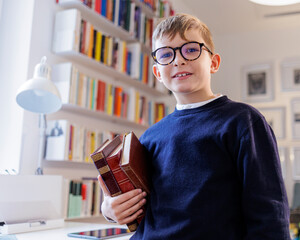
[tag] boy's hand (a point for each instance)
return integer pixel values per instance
(123, 208)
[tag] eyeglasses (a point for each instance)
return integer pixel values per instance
(190, 51)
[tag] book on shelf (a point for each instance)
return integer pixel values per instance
(97, 6)
(123, 166)
(103, 8)
(85, 91)
(94, 94)
(135, 49)
(83, 37)
(83, 198)
(165, 9)
(66, 141)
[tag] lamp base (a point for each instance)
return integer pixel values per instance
(39, 171)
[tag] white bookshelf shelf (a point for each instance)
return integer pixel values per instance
(88, 62)
(68, 164)
(101, 115)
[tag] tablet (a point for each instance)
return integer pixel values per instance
(100, 234)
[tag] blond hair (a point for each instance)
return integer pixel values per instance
(180, 23)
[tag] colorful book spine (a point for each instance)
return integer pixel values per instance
(84, 198)
(85, 91)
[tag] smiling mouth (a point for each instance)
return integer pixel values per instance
(181, 75)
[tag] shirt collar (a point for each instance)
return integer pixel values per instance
(198, 104)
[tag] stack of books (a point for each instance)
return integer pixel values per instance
(123, 165)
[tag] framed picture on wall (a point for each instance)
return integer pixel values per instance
(283, 160)
(275, 116)
(295, 118)
(290, 75)
(295, 157)
(257, 83)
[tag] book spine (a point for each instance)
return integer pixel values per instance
(100, 161)
(106, 174)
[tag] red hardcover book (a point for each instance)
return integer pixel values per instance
(108, 158)
(134, 162)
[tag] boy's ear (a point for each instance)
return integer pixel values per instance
(215, 63)
(156, 72)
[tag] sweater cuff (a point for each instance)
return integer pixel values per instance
(109, 219)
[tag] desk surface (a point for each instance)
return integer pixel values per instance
(61, 233)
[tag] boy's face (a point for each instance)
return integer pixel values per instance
(188, 80)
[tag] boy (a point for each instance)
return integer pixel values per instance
(215, 167)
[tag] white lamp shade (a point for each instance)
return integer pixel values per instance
(39, 94)
(275, 2)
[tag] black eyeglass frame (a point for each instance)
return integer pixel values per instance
(174, 50)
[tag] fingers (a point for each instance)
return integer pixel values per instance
(126, 211)
(103, 186)
(131, 209)
(125, 207)
(131, 217)
(131, 195)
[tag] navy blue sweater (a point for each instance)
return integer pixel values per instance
(216, 175)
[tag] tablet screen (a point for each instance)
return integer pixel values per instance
(100, 234)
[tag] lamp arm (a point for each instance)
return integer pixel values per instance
(42, 131)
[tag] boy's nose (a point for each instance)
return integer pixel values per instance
(179, 60)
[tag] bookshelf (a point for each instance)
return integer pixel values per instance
(103, 116)
(67, 48)
(99, 67)
(68, 164)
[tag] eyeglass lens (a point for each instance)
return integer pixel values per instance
(189, 51)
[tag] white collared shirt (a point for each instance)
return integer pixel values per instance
(198, 104)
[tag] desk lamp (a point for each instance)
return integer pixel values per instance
(40, 95)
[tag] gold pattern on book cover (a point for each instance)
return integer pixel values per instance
(104, 169)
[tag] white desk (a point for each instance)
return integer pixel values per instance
(61, 233)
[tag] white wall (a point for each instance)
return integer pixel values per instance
(15, 32)
(39, 46)
(1, 2)
(244, 49)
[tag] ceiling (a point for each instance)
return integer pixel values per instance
(236, 16)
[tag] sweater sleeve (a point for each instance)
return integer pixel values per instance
(264, 200)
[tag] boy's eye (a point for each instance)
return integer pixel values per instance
(191, 50)
(166, 55)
